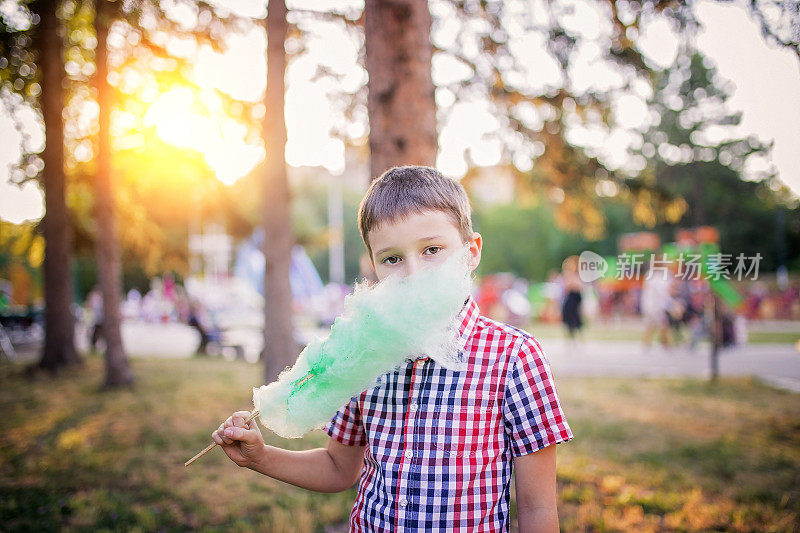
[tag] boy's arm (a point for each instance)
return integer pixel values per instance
(535, 424)
(535, 480)
(325, 470)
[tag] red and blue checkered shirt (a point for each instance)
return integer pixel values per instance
(440, 443)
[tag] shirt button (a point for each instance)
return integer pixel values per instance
(414, 406)
(403, 502)
(409, 454)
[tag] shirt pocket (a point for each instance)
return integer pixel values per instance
(467, 428)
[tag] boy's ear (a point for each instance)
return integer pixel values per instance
(475, 246)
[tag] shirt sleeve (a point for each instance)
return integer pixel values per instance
(532, 411)
(346, 425)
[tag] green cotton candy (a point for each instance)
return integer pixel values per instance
(382, 325)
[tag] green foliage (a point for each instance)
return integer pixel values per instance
(527, 241)
(537, 113)
(522, 240)
(691, 154)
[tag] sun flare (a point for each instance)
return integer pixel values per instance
(195, 120)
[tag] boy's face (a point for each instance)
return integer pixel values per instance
(418, 241)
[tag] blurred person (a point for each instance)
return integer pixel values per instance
(168, 287)
(132, 305)
(590, 302)
(754, 297)
(571, 303)
(156, 307)
(515, 301)
(94, 303)
(654, 305)
(697, 321)
(199, 320)
(554, 291)
(678, 309)
(793, 302)
(181, 304)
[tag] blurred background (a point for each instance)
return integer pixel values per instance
(179, 184)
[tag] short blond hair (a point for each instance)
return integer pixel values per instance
(412, 189)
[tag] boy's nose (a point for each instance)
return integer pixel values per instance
(412, 266)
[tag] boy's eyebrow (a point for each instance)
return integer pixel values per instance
(431, 238)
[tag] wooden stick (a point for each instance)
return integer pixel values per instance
(210, 446)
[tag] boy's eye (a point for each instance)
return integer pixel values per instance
(434, 248)
(392, 259)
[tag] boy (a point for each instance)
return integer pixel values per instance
(432, 449)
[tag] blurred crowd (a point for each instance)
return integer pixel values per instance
(672, 309)
(772, 303)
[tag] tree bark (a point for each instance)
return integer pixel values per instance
(59, 343)
(279, 346)
(118, 369)
(400, 101)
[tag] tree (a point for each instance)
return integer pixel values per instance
(779, 21)
(20, 87)
(538, 113)
(691, 154)
(59, 346)
(400, 101)
(118, 370)
(279, 345)
(536, 123)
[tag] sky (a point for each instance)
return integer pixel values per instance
(766, 80)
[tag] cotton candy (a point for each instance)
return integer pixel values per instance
(382, 325)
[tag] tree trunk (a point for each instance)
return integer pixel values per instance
(118, 369)
(59, 343)
(279, 346)
(400, 102)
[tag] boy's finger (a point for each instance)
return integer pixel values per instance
(221, 433)
(241, 434)
(239, 417)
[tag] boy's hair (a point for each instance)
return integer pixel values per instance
(412, 189)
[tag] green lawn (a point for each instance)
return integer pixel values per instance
(649, 455)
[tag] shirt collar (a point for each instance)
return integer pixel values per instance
(466, 320)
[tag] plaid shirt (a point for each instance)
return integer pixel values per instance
(440, 443)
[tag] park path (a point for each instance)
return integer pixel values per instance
(776, 363)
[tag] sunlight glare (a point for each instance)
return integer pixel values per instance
(176, 120)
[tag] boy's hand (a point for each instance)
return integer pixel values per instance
(242, 443)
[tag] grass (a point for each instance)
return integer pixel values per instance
(648, 455)
(679, 455)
